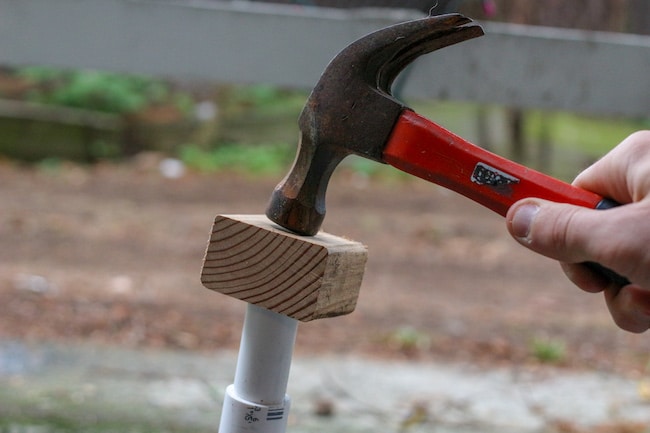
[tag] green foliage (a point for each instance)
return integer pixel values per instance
(590, 135)
(364, 166)
(269, 159)
(408, 339)
(548, 350)
(100, 91)
(259, 95)
(257, 160)
(263, 100)
(373, 169)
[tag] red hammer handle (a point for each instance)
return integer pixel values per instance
(424, 149)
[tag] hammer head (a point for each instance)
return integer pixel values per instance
(352, 111)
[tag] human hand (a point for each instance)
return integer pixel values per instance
(617, 238)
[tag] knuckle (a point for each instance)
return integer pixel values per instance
(639, 139)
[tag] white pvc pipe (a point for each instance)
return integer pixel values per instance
(257, 402)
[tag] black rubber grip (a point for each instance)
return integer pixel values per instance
(617, 279)
(607, 203)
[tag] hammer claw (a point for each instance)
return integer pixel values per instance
(422, 38)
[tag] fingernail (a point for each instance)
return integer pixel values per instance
(523, 219)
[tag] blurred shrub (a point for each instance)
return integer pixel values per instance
(548, 350)
(272, 158)
(100, 91)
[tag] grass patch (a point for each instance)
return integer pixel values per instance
(264, 159)
(591, 135)
(263, 99)
(408, 340)
(373, 169)
(548, 351)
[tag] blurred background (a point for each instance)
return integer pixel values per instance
(115, 156)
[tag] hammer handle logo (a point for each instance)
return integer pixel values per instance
(483, 174)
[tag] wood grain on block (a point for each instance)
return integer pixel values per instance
(304, 277)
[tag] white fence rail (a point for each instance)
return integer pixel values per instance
(244, 42)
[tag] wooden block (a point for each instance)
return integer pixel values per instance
(304, 277)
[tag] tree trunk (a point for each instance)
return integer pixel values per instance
(639, 17)
(515, 119)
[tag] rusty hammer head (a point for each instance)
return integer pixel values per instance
(351, 111)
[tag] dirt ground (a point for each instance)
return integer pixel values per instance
(111, 254)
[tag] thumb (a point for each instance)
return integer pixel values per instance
(559, 231)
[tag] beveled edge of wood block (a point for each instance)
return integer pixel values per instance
(253, 259)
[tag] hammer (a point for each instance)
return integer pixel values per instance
(285, 269)
(352, 111)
